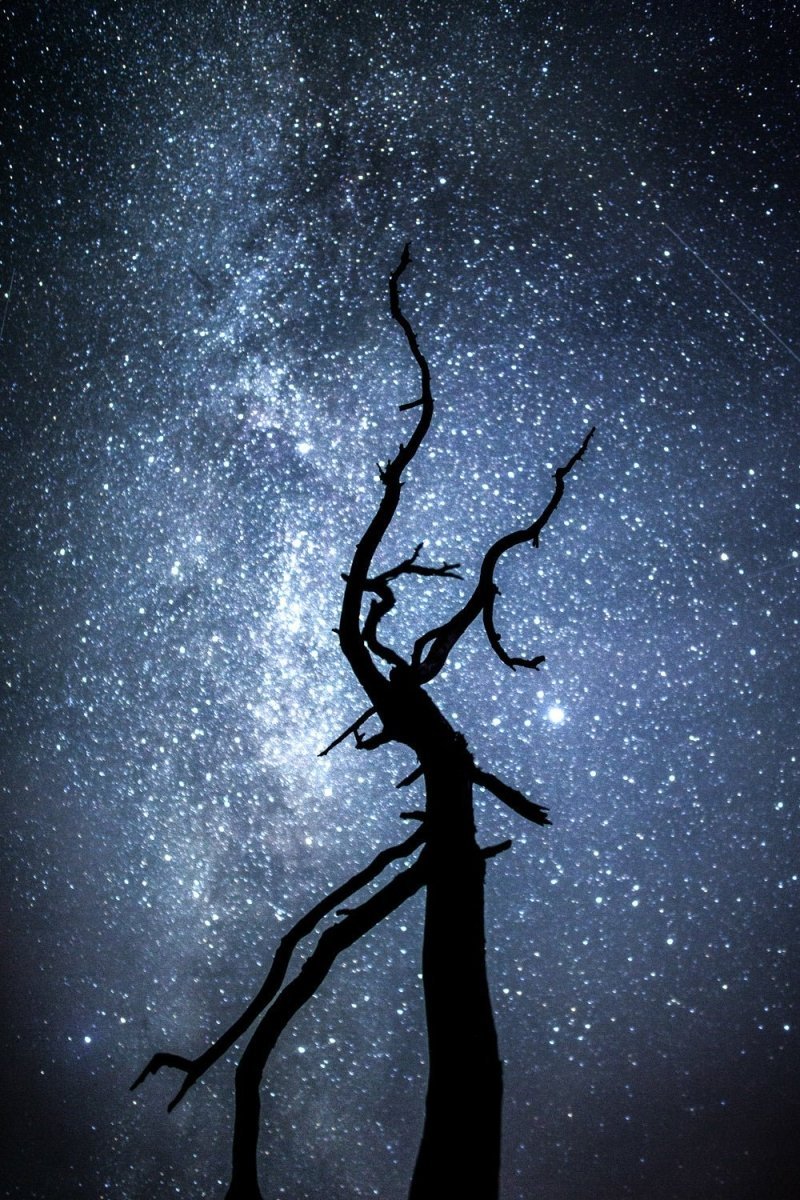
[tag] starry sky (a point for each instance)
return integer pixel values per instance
(201, 206)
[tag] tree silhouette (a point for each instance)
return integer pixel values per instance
(459, 1152)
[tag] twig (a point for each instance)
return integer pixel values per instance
(410, 778)
(497, 848)
(365, 716)
(515, 800)
(333, 942)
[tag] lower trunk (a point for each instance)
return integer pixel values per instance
(244, 1177)
(459, 1153)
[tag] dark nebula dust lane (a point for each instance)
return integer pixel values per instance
(201, 206)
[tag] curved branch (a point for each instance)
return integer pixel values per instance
(386, 601)
(351, 637)
(495, 640)
(336, 939)
(412, 777)
(195, 1068)
(442, 639)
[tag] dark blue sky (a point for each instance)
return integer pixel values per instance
(199, 373)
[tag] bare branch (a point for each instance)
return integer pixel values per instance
(336, 939)
(365, 716)
(372, 743)
(411, 778)
(195, 1068)
(165, 1059)
(411, 337)
(351, 638)
(377, 611)
(410, 566)
(515, 800)
(416, 814)
(379, 608)
(495, 641)
(442, 639)
(497, 848)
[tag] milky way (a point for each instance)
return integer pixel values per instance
(200, 373)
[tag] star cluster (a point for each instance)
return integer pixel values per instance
(200, 373)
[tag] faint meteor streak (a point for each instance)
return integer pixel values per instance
(735, 295)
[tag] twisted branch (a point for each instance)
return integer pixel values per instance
(442, 639)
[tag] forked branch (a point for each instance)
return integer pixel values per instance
(354, 728)
(333, 942)
(411, 566)
(379, 608)
(195, 1068)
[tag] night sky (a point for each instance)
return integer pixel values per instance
(200, 210)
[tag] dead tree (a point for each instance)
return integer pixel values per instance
(459, 1153)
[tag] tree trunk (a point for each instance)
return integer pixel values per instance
(459, 1155)
(244, 1177)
